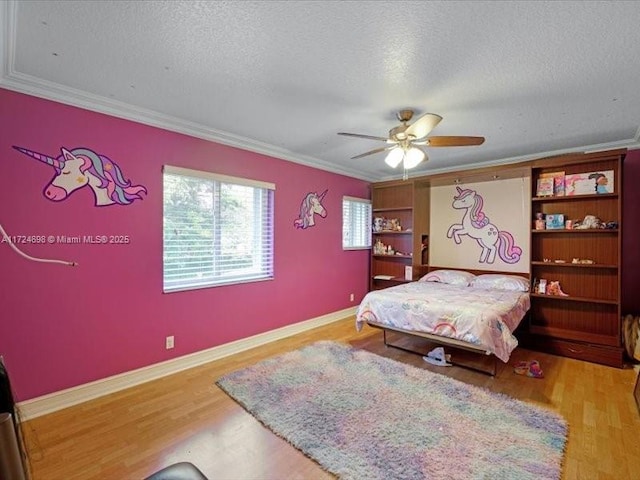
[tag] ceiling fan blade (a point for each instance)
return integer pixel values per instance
(423, 125)
(371, 152)
(358, 135)
(453, 141)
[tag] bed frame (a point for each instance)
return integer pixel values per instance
(444, 341)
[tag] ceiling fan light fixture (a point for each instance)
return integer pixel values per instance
(413, 157)
(394, 157)
(404, 141)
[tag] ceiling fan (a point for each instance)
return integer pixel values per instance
(406, 142)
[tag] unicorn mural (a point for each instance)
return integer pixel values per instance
(310, 206)
(476, 225)
(82, 167)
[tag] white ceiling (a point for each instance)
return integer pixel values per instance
(283, 77)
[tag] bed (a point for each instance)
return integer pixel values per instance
(478, 313)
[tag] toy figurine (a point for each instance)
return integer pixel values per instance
(583, 261)
(590, 221)
(394, 225)
(378, 224)
(554, 289)
(379, 248)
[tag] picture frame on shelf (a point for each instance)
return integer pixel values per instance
(590, 183)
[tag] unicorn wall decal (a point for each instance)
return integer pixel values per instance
(82, 167)
(310, 206)
(476, 225)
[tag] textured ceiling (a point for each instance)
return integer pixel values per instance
(283, 77)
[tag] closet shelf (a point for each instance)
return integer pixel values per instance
(579, 231)
(575, 265)
(391, 232)
(575, 299)
(391, 209)
(573, 198)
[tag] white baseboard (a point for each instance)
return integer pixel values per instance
(52, 402)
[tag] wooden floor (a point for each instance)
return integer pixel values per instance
(185, 417)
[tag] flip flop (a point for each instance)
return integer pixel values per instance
(440, 362)
(438, 354)
(534, 370)
(521, 368)
(530, 369)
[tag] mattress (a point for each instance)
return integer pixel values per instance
(482, 318)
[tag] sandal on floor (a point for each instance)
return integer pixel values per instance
(530, 369)
(438, 357)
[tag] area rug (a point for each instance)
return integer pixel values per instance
(363, 416)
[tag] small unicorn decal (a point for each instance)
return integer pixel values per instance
(79, 167)
(477, 226)
(311, 205)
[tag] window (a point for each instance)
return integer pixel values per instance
(356, 223)
(217, 230)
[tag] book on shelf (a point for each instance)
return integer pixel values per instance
(558, 186)
(544, 187)
(553, 187)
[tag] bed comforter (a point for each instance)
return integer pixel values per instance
(483, 318)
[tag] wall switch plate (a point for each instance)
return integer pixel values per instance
(351, 297)
(169, 342)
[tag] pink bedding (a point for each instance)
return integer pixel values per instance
(483, 318)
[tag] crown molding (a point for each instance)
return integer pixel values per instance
(27, 84)
(21, 83)
(630, 144)
(36, 87)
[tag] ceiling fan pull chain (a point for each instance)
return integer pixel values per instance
(405, 174)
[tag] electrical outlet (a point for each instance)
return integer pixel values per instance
(351, 297)
(168, 344)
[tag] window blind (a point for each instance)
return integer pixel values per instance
(217, 230)
(356, 223)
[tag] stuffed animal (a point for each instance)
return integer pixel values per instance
(393, 224)
(590, 221)
(554, 289)
(378, 224)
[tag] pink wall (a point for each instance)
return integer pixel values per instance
(61, 326)
(631, 234)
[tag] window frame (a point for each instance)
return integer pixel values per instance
(365, 228)
(263, 220)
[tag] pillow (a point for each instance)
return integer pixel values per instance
(452, 277)
(495, 281)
